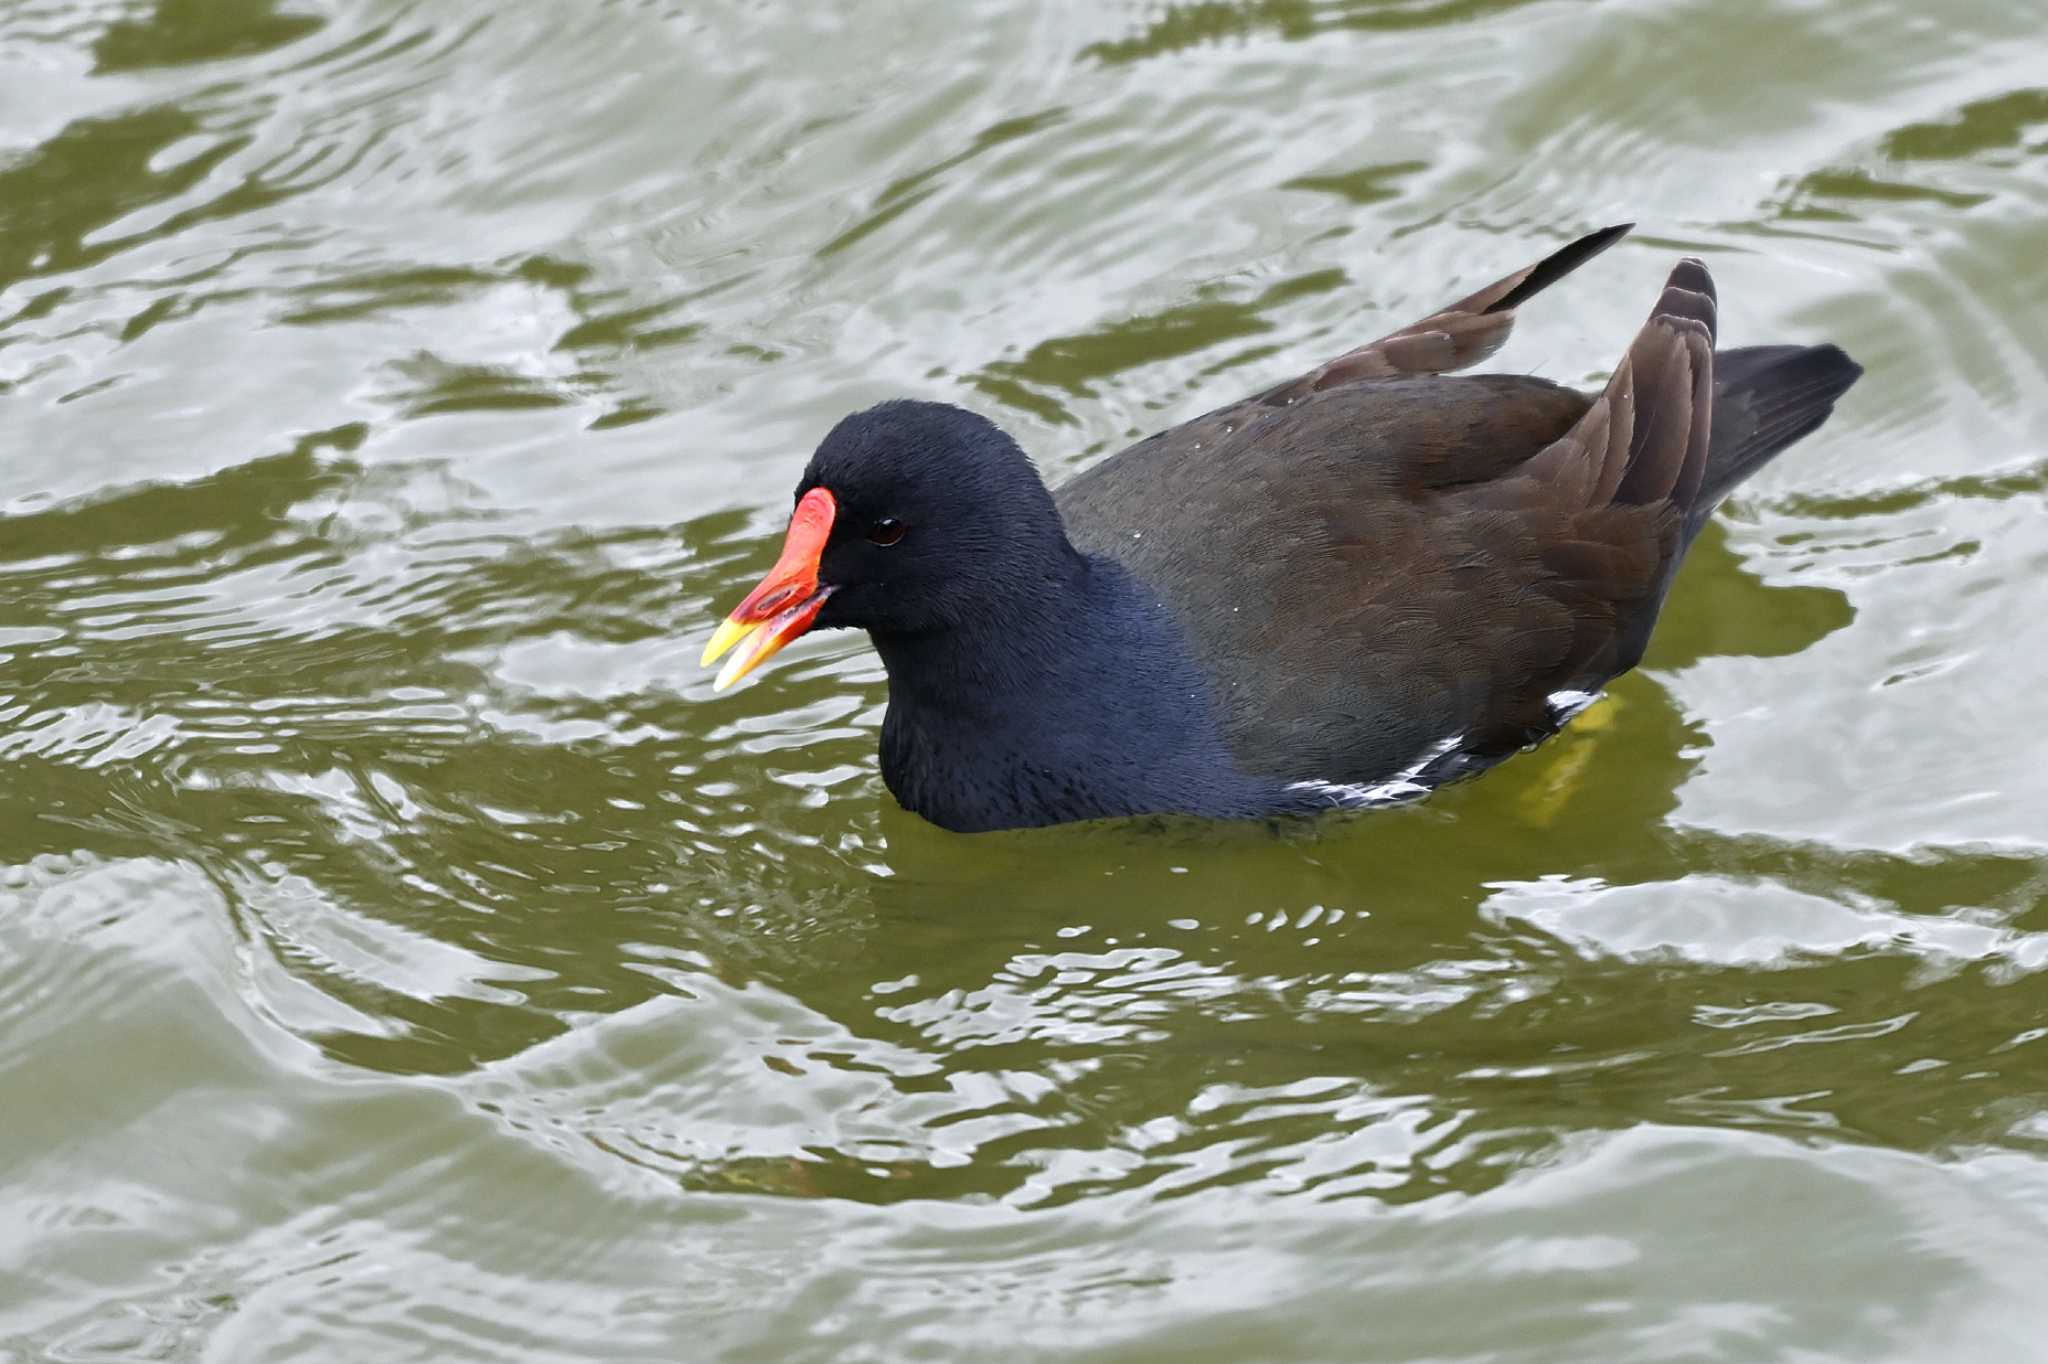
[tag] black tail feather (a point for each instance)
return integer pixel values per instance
(1766, 397)
(1557, 265)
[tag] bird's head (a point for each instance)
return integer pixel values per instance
(911, 518)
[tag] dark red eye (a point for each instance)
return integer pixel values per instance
(886, 531)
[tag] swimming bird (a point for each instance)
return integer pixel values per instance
(1342, 591)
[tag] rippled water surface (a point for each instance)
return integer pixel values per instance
(403, 956)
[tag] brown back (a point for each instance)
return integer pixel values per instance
(1380, 565)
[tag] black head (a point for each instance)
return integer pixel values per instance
(912, 519)
(940, 519)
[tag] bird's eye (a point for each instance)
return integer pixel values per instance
(886, 531)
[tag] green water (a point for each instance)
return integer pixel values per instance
(404, 956)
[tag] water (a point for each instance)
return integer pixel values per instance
(403, 956)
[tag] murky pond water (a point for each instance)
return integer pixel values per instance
(404, 957)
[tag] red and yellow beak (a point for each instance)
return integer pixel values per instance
(785, 603)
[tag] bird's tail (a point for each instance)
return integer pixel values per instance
(1765, 398)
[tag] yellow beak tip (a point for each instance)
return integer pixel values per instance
(738, 666)
(729, 633)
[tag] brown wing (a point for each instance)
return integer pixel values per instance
(1395, 567)
(1606, 501)
(1455, 337)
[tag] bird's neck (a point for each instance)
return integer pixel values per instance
(1072, 698)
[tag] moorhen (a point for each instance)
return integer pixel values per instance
(1341, 592)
